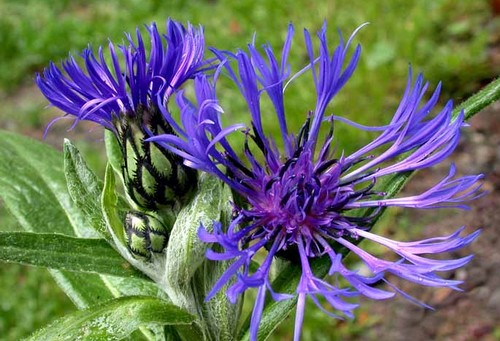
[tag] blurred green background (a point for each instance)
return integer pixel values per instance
(449, 41)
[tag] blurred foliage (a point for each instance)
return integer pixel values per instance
(445, 39)
(29, 297)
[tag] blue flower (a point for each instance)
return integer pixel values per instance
(123, 94)
(302, 202)
(106, 91)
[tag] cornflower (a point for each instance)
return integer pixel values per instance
(108, 91)
(123, 94)
(301, 202)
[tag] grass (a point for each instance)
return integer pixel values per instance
(444, 39)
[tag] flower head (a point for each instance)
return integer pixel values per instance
(106, 91)
(124, 95)
(302, 201)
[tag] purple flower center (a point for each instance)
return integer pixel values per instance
(304, 201)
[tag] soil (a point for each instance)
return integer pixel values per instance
(473, 314)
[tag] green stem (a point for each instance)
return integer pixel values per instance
(275, 312)
(474, 104)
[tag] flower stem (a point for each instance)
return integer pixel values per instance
(474, 104)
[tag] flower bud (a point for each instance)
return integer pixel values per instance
(146, 234)
(154, 177)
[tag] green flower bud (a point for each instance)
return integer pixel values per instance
(154, 177)
(146, 234)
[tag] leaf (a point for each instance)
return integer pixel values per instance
(84, 188)
(114, 219)
(113, 320)
(185, 252)
(134, 286)
(33, 188)
(113, 151)
(109, 206)
(64, 253)
(220, 315)
(83, 289)
(188, 274)
(34, 191)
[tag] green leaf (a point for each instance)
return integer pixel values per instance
(188, 274)
(219, 314)
(114, 214)
(84, 188)
(64, 253)
(133, 286)
(221, 317)
(185, 251)
(83, 289)
(110, 209)
(113, 151)
(34, 190)
(113, 320)
(287, 281)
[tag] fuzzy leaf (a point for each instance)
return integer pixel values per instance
(114, 216)
(34, 191)
(113, 151)
(220, 315)
(110, 209)
(84, 188)
(185, 252)
(113, 320)
(61, 252)
(189, 275)
(34, 188)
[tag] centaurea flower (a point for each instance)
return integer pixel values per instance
(124, 94)
(107, 91)
(301, 202)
